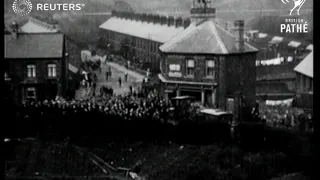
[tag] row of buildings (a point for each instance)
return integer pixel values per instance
(197, 56)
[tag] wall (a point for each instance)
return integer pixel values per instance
(200, 67)
(17, 69)
(240, 76)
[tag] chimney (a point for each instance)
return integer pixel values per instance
(239, 34)
(136, 16)
(186, 23)
(14, 30)
(157, 19)
(163, 20)
(170, 21)
(149, 18)
(178, 22)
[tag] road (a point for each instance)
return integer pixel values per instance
(134, 79)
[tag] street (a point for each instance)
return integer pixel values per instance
(134, 79)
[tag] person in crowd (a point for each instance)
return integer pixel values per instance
(120, 81)
(107, 75)
(110, 72)
(126, 77)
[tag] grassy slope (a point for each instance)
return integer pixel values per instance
(51, 159)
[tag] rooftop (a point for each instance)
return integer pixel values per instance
(306, 66)
(34, 45)
(37, 26)
(156, 32)
(206, 38)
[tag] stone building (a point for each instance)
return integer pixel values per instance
(35, 65)
(208, 62)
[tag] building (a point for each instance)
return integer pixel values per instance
(304, 80)
(137, 37)
(35, 65)
(208, 62)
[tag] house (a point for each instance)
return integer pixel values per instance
(304, 82)
(35, 65)
(208, 62)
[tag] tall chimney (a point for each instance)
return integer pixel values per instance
(14, 30)
(239, 34)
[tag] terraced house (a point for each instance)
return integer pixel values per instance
(35, 65)
(208, 62)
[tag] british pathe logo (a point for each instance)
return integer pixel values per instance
(297, 4)
(22, 7)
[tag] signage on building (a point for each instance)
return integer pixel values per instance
(175, 74)
(175, 70)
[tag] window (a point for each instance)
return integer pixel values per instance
(52, 70)
(210, 68)
(31, 70)
(174, 67)
(31, 93)
(190, 67)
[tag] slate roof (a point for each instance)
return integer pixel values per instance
(205, 38)
(306, 66)
(145, 30)
(34, 45)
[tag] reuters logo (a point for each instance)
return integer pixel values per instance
(22, 7)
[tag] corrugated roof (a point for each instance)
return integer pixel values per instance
(34, 45)
(155, 32)
(306, 66)
(294, 44)
(206, 38)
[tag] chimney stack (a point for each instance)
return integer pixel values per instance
(157, 19)
(186, 23)
(170, 21)
(144, 17)
(149, 18)
(163, 20)
(178, 22)
(239, 34)
(14, 30)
